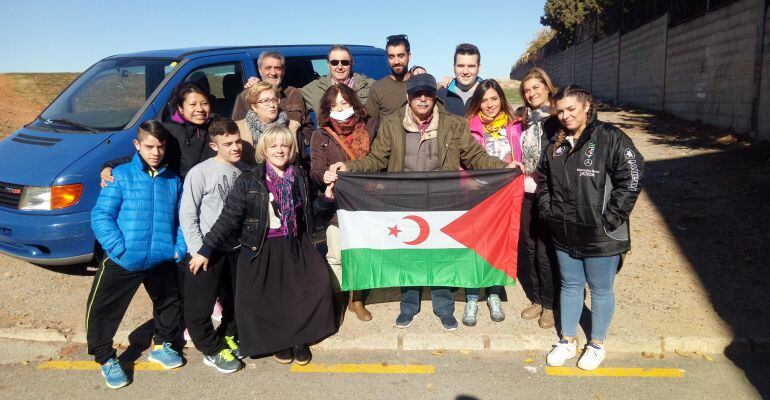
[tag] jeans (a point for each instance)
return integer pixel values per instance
(441, 297)
(599, 273)
(472, 294)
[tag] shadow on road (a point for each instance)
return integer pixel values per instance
(717, 206)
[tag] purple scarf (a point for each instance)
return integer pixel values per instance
(287, 198)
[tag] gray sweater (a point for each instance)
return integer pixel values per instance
(206, 187)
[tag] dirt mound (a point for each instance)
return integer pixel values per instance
(23, 97)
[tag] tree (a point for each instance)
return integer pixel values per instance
(566, 16)
(542, 37)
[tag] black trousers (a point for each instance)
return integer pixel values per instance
(201, 291)
(111, 293)
(538, 267)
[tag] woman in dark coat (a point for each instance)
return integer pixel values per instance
(591, 177)
(283, 295)
(345, 133)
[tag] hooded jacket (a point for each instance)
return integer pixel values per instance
(586, 192)
(135, 219)
(188, 145)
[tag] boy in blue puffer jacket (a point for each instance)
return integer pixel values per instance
(136, 221)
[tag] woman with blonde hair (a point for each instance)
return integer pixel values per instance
(538, 268)
(283, 295)
(264, 112)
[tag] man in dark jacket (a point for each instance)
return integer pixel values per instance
(423, 137)
(457, 94)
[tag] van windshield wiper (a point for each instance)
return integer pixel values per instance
(70, 122)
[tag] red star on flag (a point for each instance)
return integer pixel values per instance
(394, 231)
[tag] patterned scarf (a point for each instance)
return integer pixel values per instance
(354, 133)
(287, 197)
(493, 126)
(530, 151)
(257, 127)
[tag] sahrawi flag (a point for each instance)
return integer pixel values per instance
(456, 229)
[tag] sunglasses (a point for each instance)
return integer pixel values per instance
(344, 63)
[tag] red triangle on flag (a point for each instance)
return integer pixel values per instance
(491, 228)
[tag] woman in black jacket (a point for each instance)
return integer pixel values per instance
(283, 294)
(189, 126)
(590, 178)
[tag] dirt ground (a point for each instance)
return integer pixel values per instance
(25, 95)
(699, 235)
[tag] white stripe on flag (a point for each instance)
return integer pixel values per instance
(372, 229)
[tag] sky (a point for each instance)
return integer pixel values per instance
(69, 36)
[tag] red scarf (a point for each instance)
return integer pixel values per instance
(354, 136)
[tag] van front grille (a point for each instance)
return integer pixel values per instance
(10, 195)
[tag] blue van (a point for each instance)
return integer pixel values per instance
(49, 170)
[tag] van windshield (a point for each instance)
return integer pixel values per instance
(107, 96)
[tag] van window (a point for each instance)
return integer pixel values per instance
(223, 81)
(299, 71)
(107, 96)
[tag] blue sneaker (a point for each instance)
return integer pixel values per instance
(404, 321)
(113, 374)
(449, 323)
(164, 355)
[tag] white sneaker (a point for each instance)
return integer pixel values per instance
(561, 352)
(592, 357)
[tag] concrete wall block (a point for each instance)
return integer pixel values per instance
(642, 65)
(710, 61)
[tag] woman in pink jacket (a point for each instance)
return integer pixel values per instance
(496, 128)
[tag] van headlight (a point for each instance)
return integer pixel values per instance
(50, 197)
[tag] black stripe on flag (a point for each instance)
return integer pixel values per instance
(418, 191)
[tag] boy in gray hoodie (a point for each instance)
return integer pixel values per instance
(205, 189)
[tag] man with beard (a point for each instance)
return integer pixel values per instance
(457, 94)
(388, 94)
(271, 66)
(340, 63)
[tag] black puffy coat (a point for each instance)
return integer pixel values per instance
(586, 192)
(246, 208)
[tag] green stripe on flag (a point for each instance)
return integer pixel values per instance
(369, 268)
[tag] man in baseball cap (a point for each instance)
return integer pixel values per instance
(423, 137)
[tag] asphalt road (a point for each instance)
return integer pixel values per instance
(391, 375)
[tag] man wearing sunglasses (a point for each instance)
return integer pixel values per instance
(340, 62)
(389, 93)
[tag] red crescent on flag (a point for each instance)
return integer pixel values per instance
(424, 229)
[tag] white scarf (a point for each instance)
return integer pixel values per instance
(530, 146)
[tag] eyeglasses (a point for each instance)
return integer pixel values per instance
(265, 102)
(394, 37)
(344, 63)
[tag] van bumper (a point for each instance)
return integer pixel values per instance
(63, 239)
